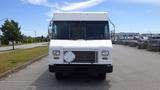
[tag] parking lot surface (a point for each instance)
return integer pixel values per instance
(133, 70)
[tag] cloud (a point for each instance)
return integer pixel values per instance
(50, 13)
(64, 6)
(35, 2)
(80, 5)
(154, 2)
(76, 6)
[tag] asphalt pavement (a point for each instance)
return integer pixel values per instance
(133, 70)
(24, 46)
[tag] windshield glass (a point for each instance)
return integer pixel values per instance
(87, 30)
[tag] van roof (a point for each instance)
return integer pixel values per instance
(80, 16)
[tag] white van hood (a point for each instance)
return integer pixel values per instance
(81, 44)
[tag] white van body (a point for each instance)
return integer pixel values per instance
(84, 50)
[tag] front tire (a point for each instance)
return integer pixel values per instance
(59, 76)
(102, 76)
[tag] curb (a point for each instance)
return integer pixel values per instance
(20, 67)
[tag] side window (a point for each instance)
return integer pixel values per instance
(55, 29)
(60, 30)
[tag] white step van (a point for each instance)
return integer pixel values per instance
(80, 43)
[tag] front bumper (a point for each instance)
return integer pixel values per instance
(81, 68)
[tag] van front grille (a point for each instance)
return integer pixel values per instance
(85, 56)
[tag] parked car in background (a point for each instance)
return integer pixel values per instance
(133, 41)
(142, 42)
(154, 43)
(129, 39)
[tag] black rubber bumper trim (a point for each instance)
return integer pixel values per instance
(89, 68)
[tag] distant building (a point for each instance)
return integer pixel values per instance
(123, 35)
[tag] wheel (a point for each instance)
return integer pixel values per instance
(51, 69)
(101, 76)
(59, 76)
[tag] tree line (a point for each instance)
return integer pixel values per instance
(11, 33)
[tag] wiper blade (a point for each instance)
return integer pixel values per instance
(77, 38)
(96, 37)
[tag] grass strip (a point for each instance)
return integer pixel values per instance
(9, 60)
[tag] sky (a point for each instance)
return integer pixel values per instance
(33, 16)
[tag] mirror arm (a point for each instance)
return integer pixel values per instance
(114, 28)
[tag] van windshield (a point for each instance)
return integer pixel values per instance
(86, 30)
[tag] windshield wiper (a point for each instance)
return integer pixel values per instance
(77, 38)
(95, 37)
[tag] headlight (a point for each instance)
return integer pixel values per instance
(105, 53)
(56, 52)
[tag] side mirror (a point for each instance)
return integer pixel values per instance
(50, 30)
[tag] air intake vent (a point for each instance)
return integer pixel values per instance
(85, 56)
